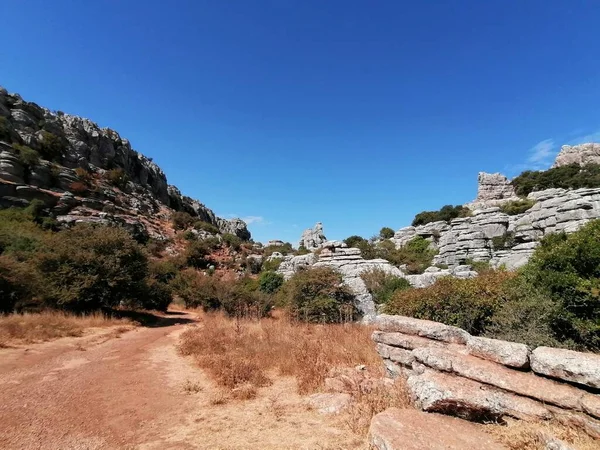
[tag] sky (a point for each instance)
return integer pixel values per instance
(357, 114)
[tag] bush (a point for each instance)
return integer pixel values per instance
(15, 284)
(417, 254)
(317, 295)
(52, 147)
(205, 226)
(302, 250)
(386, 233)
(515, 207)
(270, 282)
(383, 285)
(196, 254)
(284, 249)
(27, 156)
(367, 249)
(118, 178)
(232, 241)
(446, 214)
(568, 268)
(198, 290)
(465, 303)
(156, 246)
(567, 177)
(271, 265)
(88, 267)
(85, 176)
(181, 220)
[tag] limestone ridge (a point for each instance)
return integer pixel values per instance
(493, 236)
(67, 142)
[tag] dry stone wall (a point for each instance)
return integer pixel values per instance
(451, 372)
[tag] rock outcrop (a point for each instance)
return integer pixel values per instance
(40, 151)
(578, 154)
(312, 238)
(492, 189)
(448, 371)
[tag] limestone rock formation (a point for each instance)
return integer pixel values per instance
(312, 238)
(55, 144)
(492, 189)
(578, 154)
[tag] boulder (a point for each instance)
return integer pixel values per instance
(581, 154)
(576, 367)
(329, 403)
(312, 238)
(507, 353)
(408, 429)
(406, 341)
(423, 328)
(468, 399)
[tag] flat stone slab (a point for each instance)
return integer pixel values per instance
(507, 353)
(406, 341)
(577, 367)
(409, 429)
(522, 383)
(470, 400)
(399, 355)
(329, 403)
(423, 328)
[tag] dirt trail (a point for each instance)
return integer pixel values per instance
(129, 392)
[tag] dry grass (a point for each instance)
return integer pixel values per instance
(519, 435)
(242, 352)
(45, 326)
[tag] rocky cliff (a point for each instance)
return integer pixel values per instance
(82, 172)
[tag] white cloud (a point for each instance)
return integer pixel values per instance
(591, 137)
(254, 219)
(542, 153)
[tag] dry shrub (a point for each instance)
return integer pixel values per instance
(368, 402)
(520, 435)
(238, 352)
(45, 326)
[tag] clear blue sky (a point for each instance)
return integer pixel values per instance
(358, 114)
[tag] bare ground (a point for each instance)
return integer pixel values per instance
(133, 390)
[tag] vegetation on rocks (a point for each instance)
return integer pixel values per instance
(571, 176)
(556, 295)
(386, 233)
(382, 285)
(446, 214)
(515, 207)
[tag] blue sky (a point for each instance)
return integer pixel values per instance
(287, 112)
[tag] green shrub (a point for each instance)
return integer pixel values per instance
(232, 241)
(416, 254)
(118, 178)
(568, 268)
(156, 246)
(317, 295)
(383, 285)
(17, 284)
(27, 156)
(465, 303)
(446, 214)
(181, 220)
(386, 233)
(245, 299)
(367, 249)
(285, 249)
(505, 241)
(189, 235)
(302, 250)
(89, 267)
(271, 265)
(515, 207)
(479, 266)
(205, 226)
(197, 254)
(567, 177)
(270, 282)
(52, 147)
(198, 290)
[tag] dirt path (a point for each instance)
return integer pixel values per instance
(130, 392)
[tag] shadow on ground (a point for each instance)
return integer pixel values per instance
(153, 319)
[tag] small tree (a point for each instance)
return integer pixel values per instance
(270, 282)
(386, 233)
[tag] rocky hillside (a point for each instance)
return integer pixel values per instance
(84, 173)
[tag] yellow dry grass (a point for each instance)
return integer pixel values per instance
(237, 352)
(519, 435)
(45, 326)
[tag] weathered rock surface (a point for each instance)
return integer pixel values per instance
(406, 341)
(408, 429)
(468, 399)
(423, 328)
(312, 238)
(493, 189)
(329, 403)
(578, 154)
(567, 365)
(74, 142)
(507, 353)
